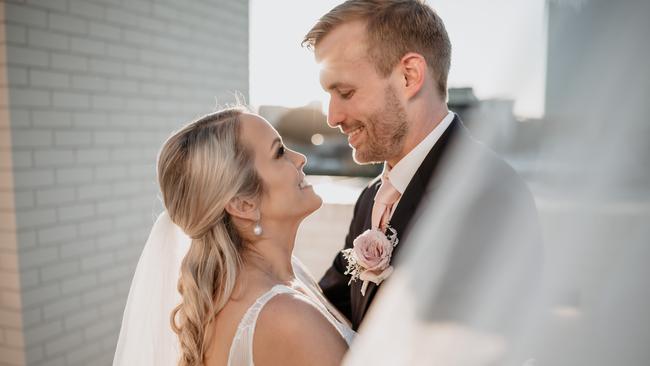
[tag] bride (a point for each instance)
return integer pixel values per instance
(234, 199)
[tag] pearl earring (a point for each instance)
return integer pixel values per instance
(257, 230)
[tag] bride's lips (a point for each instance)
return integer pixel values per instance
(304, 184)
(355, 135)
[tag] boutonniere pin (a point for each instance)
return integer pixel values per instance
(369, 258)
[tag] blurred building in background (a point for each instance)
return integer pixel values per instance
(597, 62)
(90, 90)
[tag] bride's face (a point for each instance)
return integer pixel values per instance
(287, 196)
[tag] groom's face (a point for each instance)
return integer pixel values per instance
(363, 105)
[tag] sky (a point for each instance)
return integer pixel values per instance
(498, 48)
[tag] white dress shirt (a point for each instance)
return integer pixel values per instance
(401, 174)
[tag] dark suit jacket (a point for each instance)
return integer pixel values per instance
(348, 298)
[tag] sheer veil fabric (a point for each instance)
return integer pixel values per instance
(146, 337)
(588, 170)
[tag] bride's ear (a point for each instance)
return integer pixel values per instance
(243, 208)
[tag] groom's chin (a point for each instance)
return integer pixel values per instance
(362, 159)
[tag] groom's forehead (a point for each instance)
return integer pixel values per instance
(335, 74)
(343, 58)
(341, 67)
(348, 74)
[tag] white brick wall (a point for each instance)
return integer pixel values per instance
(90, 89)
(12, 341)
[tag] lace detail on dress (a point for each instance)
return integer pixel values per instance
(241, 350)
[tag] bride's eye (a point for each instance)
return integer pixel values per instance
(280, 152)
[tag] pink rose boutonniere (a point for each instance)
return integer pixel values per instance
(369, 258)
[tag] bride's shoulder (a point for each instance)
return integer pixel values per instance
(290, 326)
(288, 310)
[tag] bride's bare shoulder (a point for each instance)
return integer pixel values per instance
(290, 330)
(225, 324)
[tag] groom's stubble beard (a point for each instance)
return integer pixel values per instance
(386, 132)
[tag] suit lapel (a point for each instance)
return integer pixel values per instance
(416, 188)
(408, 204)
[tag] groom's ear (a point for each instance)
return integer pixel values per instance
(243, 208)
(414, 72)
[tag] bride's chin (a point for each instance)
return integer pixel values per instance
(315, 202)
(319, 202)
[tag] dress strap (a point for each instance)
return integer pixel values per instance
(241, 349)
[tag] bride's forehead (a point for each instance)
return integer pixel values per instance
(256, 129)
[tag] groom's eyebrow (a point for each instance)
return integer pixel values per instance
(336, 85)
(333, 86)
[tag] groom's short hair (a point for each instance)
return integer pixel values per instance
(393, 28)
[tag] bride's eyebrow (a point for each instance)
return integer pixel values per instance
(276, 141)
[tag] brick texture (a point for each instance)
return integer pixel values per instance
(90, 90)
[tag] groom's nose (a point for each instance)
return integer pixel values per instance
(335, 114)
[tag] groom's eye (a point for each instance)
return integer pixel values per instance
(346, 94)
(280, 152)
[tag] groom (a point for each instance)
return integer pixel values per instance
(385, 65)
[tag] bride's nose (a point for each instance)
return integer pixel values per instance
(298, 159)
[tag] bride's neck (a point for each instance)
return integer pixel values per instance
(271, 255)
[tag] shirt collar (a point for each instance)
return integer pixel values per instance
(402, 173)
